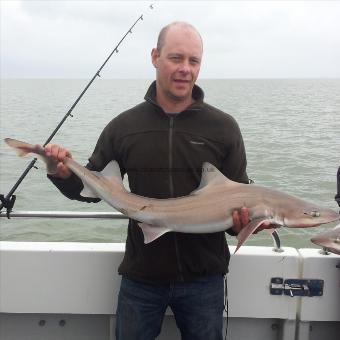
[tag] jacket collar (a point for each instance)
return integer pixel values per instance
(197, 95)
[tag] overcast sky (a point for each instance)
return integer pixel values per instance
(242, 39)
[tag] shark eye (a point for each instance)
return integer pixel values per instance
(313, 213)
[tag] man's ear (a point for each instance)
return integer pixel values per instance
(154, 57)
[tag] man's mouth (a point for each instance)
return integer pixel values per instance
(181, 81)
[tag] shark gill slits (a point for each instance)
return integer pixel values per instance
(144, 207)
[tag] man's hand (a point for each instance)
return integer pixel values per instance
(241, 219)
(58, 153)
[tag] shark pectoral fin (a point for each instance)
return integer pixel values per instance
(152, 232)
(88, 192)
(248, 230)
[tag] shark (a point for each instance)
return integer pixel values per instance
(329, 239)
(208, 209)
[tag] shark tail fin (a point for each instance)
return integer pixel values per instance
(24, 149)
(249, 229)
(21, 148)
(151, 232)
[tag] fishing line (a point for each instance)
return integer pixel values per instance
(9, 200)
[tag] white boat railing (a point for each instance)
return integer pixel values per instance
(96, 214)
(64, 214)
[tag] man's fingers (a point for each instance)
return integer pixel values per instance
(61, 154)
(62, 171)
(244, 216)
(48, 150)
(57, 152)
(51, 150)
(240, 219)
(237, 222)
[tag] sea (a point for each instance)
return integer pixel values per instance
(291, 129)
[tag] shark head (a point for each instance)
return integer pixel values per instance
(308, 215)
(329, 239)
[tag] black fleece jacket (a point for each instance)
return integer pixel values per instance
(162, 154)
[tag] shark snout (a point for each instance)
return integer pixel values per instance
(329, 216)
(311, 218)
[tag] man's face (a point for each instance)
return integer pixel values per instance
(178, 63)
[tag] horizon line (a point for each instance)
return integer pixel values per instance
(205, 78)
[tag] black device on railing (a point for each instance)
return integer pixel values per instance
(337, 196)
(8, 201)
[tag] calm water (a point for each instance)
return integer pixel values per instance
(291, 130)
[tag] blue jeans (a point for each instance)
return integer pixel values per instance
(197, 306)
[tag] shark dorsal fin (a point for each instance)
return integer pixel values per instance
(111, 174)
(211, 176)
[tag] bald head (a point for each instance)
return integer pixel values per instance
(177, 60)
(175, 25)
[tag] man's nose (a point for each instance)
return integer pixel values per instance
(184, 67)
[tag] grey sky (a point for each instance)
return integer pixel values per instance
(242, 39)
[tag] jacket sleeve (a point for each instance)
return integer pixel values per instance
(71, 188)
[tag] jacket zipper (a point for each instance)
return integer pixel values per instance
(171, 187)
(171, 180)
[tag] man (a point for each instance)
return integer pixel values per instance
(161, 144)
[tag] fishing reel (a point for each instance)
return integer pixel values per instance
(8, 203)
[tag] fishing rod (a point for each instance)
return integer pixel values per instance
(9, 200)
